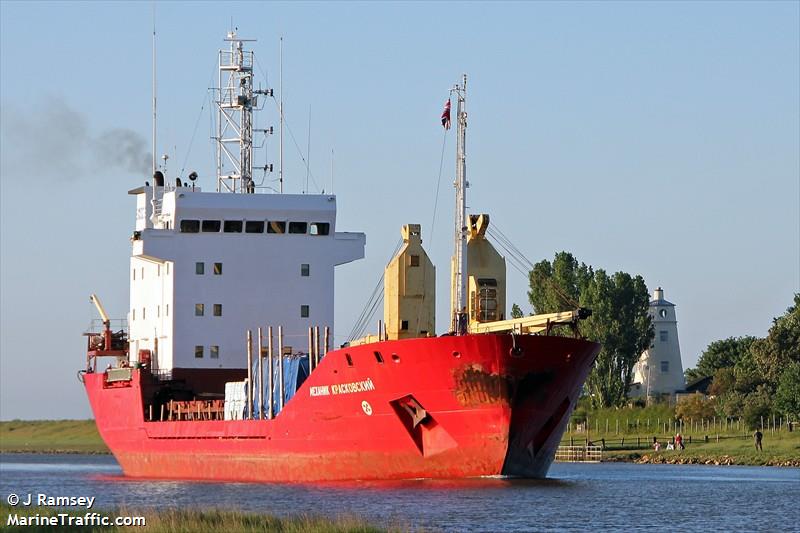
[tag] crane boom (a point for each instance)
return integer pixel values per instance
(96, 301)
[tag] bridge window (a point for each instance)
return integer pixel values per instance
(305, 270)
(298, 227)
(217, 309)
(276, 226)
(198, 352)
(217, 269)
(211, 226)
(199, 268)
(199, 309)
(190, 226)
(320, 228)
(304, 311)
(214, 352)
(254, 226)
(233, 226)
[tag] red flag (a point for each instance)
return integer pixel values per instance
(446, 115)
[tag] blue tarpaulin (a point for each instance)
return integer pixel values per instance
(295, 372)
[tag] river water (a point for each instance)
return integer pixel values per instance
(575, 497)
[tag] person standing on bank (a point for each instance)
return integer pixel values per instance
(757, 436)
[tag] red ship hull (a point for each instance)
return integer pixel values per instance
(481, 411)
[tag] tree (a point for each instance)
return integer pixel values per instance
(782, 345)
(619, 321)
(516, 312)
(724, 381)
(787, 396)
(722, 354)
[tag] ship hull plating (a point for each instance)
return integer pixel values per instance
(445, 407)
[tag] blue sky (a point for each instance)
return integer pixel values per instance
(662, 139)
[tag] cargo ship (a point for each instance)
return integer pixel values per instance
(225, 369)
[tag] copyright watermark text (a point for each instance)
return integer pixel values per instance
(27, 516)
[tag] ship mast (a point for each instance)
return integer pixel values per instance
(235, 103)
(460, 253)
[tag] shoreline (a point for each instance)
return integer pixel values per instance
(659, 458)
(641, 458)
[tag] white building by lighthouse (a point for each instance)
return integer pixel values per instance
(659, 372)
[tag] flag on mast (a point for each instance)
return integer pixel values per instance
(446, 115)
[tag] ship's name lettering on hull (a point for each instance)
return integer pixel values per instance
(342, 388)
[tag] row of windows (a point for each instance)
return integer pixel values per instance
(158, 271)
(213, 351)
(255, 226)
(200, 309)
(144, 312)
(200, 268)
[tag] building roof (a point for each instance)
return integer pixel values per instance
(661, 302)
(700, 385)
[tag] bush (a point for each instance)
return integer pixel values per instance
(695, 407)
(757, 406)
(731, 404)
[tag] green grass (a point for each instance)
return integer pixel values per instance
(190, 521)
(629, 433)
(51, 436)
(779, 449)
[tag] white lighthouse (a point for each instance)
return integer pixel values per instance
(659, 372)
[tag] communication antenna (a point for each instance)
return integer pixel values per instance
(308, 149)
(154, 89)
(280, 110)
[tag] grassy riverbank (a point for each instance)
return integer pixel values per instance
(50, 436)
(190, 521)
(628, 436)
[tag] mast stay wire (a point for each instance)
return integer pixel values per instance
(289, 129)
(374, 300)
(196, 124)
(433, 219)
(521, 261)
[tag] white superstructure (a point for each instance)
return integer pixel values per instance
(659, 371)
(207, 267)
